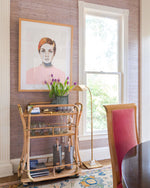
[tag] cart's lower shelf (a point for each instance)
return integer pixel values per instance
(62, 174)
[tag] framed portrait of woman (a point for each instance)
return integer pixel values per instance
(45, 48)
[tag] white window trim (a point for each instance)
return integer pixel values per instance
(121, 14)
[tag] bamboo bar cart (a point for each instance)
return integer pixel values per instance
(66, 128)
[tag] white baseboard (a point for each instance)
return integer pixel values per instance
(99, 154)
(15, 163)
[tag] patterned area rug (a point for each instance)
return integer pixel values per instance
(95, 178)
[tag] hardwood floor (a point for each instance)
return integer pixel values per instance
(14, 179)
(9, 180)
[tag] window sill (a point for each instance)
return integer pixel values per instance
(96, 136)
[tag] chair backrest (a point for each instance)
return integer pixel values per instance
(122, 135)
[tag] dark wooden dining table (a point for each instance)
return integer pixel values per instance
(136, 167)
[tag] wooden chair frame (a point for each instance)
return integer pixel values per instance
(114, 162)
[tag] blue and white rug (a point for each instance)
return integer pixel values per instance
(95, 178)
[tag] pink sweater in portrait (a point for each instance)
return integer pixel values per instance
(41, 73)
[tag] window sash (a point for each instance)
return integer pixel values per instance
(122, 16)
(98, 131)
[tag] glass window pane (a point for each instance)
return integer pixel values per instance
(101, 46)
(105, 90)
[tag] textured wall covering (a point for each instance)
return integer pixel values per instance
(65, 12)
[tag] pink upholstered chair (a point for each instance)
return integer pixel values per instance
(122, 135)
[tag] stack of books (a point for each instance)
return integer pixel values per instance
(39, 173)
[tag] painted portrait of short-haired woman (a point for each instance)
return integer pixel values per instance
(41, 73)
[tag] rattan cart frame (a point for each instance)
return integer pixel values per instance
(24, 170)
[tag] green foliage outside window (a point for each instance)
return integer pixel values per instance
(102, 93)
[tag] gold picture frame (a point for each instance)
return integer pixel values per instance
(45, 53)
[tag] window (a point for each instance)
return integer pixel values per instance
(102, 61)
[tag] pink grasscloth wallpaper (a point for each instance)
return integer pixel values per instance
(65, 12)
